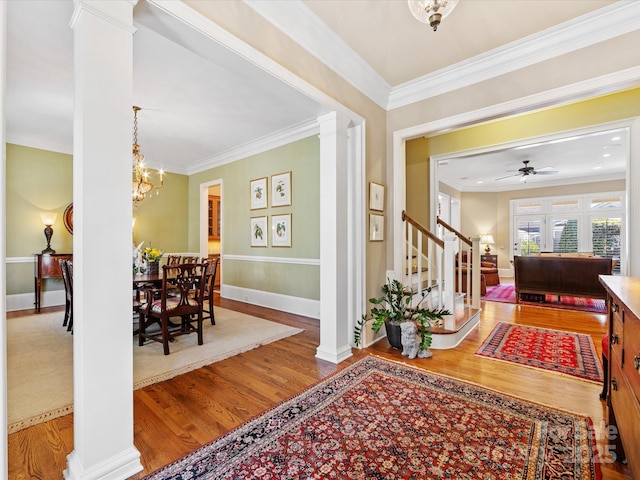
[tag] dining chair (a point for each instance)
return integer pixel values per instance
(189, 259)
(68, 290)
(173, 259)
(209, 294)
(181, 295)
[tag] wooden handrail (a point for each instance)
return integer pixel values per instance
(451, 229)
(423, 230)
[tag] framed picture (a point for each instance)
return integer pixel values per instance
(376, 197)
(281, 230)
(376, 227)
(281, 189)
(259, 231)
(258, 193)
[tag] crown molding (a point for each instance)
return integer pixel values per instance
(260, 145)
(603, 24)
(629, 78)
(298, 22)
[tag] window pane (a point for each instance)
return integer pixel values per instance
(532, 207)
(565, 235)
(529, 236)
(601, 203)
(606, 239)
(565, 206)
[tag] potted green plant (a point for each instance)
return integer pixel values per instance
(393, 308)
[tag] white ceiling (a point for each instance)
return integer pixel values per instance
(200, 102)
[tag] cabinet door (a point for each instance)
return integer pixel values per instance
(214, 217)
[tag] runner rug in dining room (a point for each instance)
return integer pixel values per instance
(568, 353)
(382, 419)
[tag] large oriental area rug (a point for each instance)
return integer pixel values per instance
(506, 293)
(378, 419)
(568, 353)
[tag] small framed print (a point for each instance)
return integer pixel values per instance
(376, 197)
(281, 189)
(259, 231)
(376, 227)
(258, 193)
(281, 230)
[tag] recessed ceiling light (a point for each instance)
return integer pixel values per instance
(479, 181)
(597, 167)
(615, 139)
(606, 155)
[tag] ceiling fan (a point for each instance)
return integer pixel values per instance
(525, 171)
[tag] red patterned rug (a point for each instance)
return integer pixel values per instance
(572, 354)
(378, 419)
(506, 293)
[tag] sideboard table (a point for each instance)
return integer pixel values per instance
(47, 266)
(623, 390)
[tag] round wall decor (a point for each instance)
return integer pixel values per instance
(68, 218)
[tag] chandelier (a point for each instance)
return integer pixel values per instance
(141, 185)
(432, 11)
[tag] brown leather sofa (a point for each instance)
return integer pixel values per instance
(488, 274)
(572, 276)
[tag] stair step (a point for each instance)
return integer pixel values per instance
(456, 329)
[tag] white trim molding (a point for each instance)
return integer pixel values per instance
(286, 303)
(598, 26)
(300, 24)
(287, 260)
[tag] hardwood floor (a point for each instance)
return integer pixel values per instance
(175, 417)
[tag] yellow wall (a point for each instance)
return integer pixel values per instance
(596, 111)
(489, 212)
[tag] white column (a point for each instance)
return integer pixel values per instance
(334, 242)
(4, 469)
(102, 341)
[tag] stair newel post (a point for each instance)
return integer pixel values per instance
(449, 274)
(475, 271)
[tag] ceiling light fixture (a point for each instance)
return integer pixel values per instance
(432, 11)
(141, 186)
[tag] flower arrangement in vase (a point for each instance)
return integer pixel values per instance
(152, 257)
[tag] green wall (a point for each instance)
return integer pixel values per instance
(37, 181)
(302, 159)
(161, 219)
(42, 181)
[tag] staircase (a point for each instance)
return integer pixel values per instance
(431, 263)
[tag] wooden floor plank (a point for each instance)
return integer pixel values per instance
(177, 416)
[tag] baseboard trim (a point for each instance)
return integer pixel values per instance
(286, 303)
(26, 301)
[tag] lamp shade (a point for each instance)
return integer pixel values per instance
(48, 218)
(487, 240)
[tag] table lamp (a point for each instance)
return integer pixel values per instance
(48, 219)
(487, 240)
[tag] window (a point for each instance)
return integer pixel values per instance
(570, 224)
